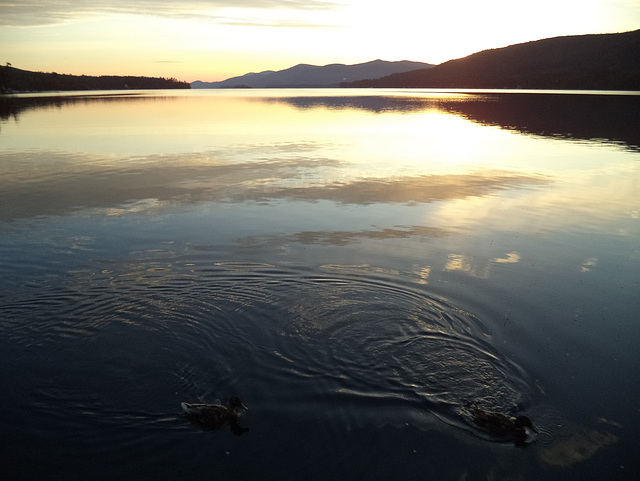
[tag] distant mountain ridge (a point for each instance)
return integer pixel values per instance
(304, 75)
(600, 62)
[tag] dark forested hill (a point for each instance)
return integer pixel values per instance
(605, 61)
(16, 80)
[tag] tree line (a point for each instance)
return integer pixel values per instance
(17, 80)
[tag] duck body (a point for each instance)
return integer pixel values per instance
(214, 415)
(519, 429)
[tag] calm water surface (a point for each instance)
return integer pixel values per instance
(362, 268)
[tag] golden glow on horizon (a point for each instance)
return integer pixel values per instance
(217, 39)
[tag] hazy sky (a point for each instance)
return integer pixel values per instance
(216, 39)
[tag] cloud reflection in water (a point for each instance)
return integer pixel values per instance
(63, 183)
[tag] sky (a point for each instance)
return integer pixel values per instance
(212, 40)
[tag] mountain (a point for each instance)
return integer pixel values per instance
(17, 80)
(304, 75)
(602, 62)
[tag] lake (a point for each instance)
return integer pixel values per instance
(366, 269)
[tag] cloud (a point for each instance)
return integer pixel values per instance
(67, 182)
(589, 264)
(406, 190)
(343, 237)
(510, 258)
(48, 12)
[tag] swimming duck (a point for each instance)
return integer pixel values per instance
(216, 415)
(518, 429)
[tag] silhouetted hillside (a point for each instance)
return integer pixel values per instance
(610, 118)
(603, 62)
(304, 75)
(16, 80)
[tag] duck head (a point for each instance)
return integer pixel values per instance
(522, 422)
(235, 404)
(523, 431)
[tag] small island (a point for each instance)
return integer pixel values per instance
(14, 80)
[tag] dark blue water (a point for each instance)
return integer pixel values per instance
(360, 281)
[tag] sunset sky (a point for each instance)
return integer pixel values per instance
(215, 39)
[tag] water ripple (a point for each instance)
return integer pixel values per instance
(340, 344)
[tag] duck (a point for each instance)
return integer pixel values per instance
(518, 429)
(214, 416)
